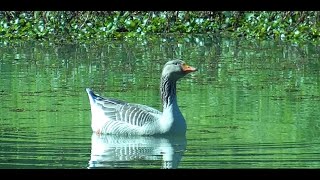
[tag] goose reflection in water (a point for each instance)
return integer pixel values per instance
(115, 151)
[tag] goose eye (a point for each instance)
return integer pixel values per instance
(175, 63)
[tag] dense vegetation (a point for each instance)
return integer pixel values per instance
(74, 26)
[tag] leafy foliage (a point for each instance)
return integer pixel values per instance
(75, 26)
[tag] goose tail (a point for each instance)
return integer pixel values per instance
(91, 95)
(97, 114)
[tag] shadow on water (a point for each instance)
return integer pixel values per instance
(114, 151)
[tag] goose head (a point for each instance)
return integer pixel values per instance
(172, 71)
(176, 69)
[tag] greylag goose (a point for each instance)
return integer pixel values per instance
(112, 116)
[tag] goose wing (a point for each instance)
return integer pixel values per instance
(133, 114)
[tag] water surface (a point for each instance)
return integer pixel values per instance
(251, 104)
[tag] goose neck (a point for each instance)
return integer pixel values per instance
(168, 92)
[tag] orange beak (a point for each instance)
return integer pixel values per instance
(188, 69)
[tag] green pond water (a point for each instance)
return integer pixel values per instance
(251, 104)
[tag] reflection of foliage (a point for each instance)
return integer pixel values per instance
(220, 60)
(82, 26)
